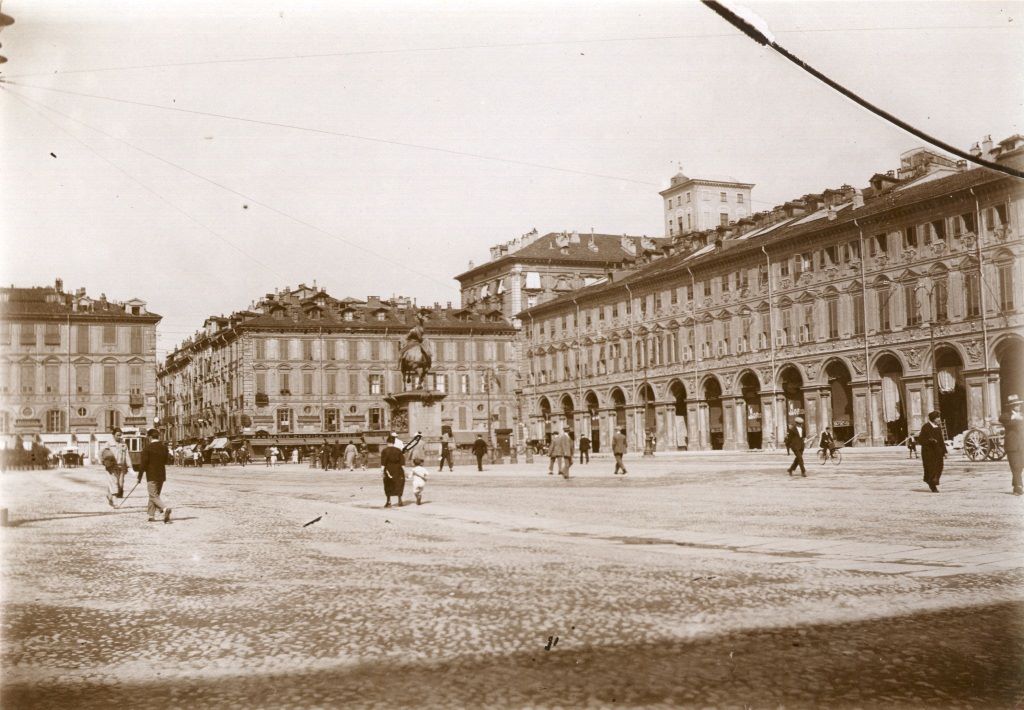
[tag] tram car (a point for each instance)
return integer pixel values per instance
(135, 439)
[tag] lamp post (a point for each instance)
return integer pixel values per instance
(931, 346)
(488, 373)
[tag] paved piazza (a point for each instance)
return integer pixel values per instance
(708, 580)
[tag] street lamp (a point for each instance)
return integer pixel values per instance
(931, 345)
(488, 373)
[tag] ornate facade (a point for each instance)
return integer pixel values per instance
(300, 363)
(72, 367)
(857, 309)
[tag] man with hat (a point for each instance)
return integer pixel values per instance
(118, 462)
(933, 450)
(1013, 422)
(154, 466)
(795, 441)
(561, 452)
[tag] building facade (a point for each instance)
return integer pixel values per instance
(535, 269)
(861, 310)
(72, 367)
(700, 204)
(299, 364)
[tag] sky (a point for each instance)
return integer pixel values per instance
(378, 148)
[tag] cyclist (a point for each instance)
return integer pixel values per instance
(827, 444)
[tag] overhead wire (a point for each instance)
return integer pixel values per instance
(758, 35)
(249, 198)
(497, 45)
(28, 102)
(340, 134)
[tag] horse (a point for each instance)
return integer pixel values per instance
(415, 364)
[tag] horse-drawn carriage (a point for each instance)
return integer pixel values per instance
(984, 443)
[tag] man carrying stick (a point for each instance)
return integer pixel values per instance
(118, 462)
(154, 466)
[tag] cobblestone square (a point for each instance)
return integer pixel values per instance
(710, 580)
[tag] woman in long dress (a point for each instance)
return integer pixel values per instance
(392, 461)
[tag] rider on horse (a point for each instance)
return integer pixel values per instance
(415, 359)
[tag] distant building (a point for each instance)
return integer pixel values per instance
(299, 365)
(858, 309)
(699, 204)
(74, 367)
(534, 269)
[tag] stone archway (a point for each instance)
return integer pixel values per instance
(791, 382)
(646, 396)
(750, 389)
(569, 414)
(677, 390)
(951, 397)
(545, 420)
(889, 372)
(619, 405)
(716, 418)
(1010, 356)
(590, 402)
(837, 374)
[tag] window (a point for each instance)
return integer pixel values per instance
(307, 383)
(723, 219)
(910, 238)
(858, 314)
(615, 310)
(261, 383)
(688, 197)
(376, 415)
(739, 198)
(784, 268)
(972, 289)
(464, 384)
(28, 334)
(532, 279)
(55, 421)
(762, 276)
(282, 349)
(807, 261)
(135, 379)
(832, 309)
(912, 306)
(135, 340)
(879, 245)
(5, 332)
(51, 334)
(331, 382)
(284, 382)
(375, 350)
(726, 280)
(853, 251)
(722, 197)
(307, 349)
(743, 279)
(707, 289)
(112, 419)
(787, 326)
(884, 322)
(260, 347)
(376, 384)
(996, 217)
(441, 383)
(940, 300)
(110, 335)
(51, 379)
(82, 379)
(379, 315)
(1005, 275)
(673, 296)
(331, 419)
(831, 254)
(939, 230)
(963, 223)
(807, 330)
(353, 383)
(284, 420)
(481, 351)
(109, 379)
(657, 303)
(348, 315)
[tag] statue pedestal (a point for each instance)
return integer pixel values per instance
(417, 412)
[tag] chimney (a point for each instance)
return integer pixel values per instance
(858, 199)
(58, 286)
(986, 145)
(832, 213)
(574, 238)
(495, 252)
(975, 150)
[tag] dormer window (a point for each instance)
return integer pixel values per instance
(380, 315)
(348, 315)
(278, 314)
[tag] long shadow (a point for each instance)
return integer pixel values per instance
(962, 657)
(17, 523)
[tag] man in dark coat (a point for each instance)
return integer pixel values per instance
(933, 451)
(479, 449)
(1012, 420)
(795, 442)
(585, 448)
(446, 452)
(619, 450)
(154, 465)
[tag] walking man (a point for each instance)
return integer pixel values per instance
(933, 451)
(446, 452)
(619, 450)
(117, 460)
(154, 466)
(479, 449)
(350, 456)
(1013, 421)
(585, 448)
(561, 452)
(795, 442)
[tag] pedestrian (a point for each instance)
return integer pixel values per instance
(795, 442)
(350, 456)
(585, 448)
(1013, 423)
(392, 471)
(419, 478)
(154, 465)
(274, 454)
(118, 462)
(551, 455)
(828, 444)
(933, 451)
(446, 452)
(337, 454)
(619, 450)
(325, 457)
(479, 449)
(242, 455)
(561, 451)
(911, 446)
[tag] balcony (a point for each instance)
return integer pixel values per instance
(135, 401)
(262, 399)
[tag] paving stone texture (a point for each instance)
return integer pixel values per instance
(698, 580)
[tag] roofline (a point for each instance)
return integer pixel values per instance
(707, 181)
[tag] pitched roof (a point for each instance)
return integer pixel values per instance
(47, 302)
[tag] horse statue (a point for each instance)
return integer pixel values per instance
(415, 360)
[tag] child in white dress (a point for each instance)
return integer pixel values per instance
(419, 478)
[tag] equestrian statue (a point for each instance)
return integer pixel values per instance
(415, 360)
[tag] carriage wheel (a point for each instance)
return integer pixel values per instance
(976, 445)
(996, 452)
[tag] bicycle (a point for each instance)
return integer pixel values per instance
(836, 455)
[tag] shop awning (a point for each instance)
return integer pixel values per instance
(220, 443)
